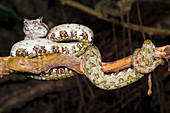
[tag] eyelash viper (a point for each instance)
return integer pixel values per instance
(33, 45)
(93, 70)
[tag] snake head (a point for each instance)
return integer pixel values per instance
(35, 28)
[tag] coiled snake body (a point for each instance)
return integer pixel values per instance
(33, 45)
(93, 70)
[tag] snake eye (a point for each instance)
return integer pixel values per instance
(40, 21)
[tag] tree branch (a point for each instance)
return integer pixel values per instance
(44, 63)
(135, 27)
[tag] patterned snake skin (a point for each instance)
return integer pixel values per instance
(93, 70)
(33, 46)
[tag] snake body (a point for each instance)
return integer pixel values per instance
(146, 63)
(42, 46)
(93, 70)
(33, 46)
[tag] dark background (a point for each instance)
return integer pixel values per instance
(19, 94)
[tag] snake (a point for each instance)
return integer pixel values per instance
(146, 62)
(93, 68)
(79, 37)
(34, 45)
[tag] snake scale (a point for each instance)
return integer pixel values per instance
(93, 70)
(33, 45)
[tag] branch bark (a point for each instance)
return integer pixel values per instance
(44, 63)
(135, 27)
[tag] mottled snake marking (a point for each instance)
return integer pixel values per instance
(93, 70)
(146, 63)
(33, 46)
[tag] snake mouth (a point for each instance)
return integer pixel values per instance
(39, 34)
